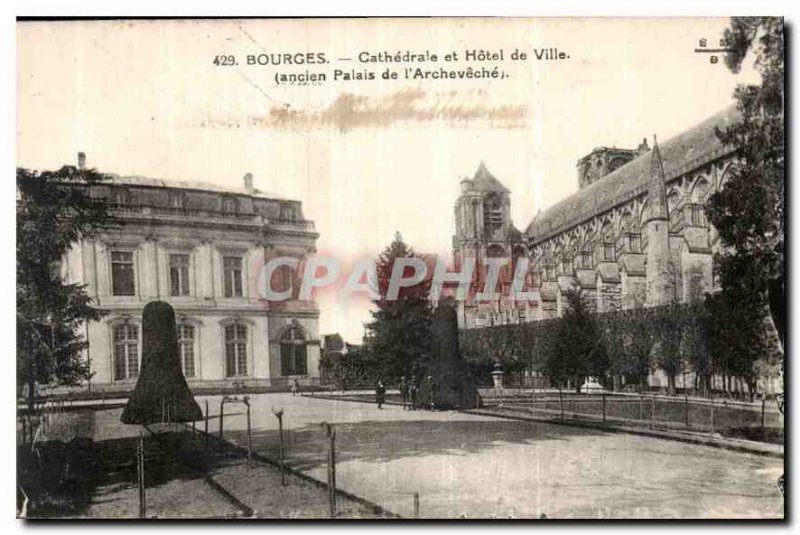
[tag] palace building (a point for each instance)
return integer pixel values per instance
(200, 248)
(633, 235)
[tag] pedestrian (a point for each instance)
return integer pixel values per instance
(380, 394)
(412, 390)
(295, 387)
(404, 392)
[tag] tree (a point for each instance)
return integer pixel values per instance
(748, 212)
(54, 211)
(578, 350)
(667, 345)
(402, 339)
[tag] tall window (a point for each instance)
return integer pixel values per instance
(229, 205)
(122, 275)
(293, 353)
(698, 215)
(634, 242)
(584, 260)
(179, 274)
(609, 252)
(126, 351)
(232, 271)
(550, 272)
(235, 350)
(186, 349)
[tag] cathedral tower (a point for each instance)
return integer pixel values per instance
(483, 230)
(660, 276)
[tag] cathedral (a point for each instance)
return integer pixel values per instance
(633, 235)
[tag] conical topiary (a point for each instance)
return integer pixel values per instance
(453, 386)
(161, 393)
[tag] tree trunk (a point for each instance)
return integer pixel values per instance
(671, 385)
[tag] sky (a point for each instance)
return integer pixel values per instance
(366, 157)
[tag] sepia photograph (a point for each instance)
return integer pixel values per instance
(460, 268)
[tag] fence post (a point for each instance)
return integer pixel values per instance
(140, 471)
(686, 406)
(652, 410)
(641, 406)
(763, 403)
(249, 435)
(331, 470)
(604, 407)
(712, 414)
(416, 505)
(283, 463)
(221, 416)
(561, 402)
(206, 425)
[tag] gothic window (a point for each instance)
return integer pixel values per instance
(235, 350)
(565, 266)
(126, 351)
(633, 242)
(698, 215)
(294, 359)
(179, 274)
(609, 251)
(232, 273)
(186, 339)
(584, 260)
(123, 281)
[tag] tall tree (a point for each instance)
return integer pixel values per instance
(578, 350)
(401, 329)
(748, 212)
(54, 211)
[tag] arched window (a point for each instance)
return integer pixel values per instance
(294, 360)
(126, 351)
(186, 339)
(235, 350)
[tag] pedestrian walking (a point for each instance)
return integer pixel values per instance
(295, 387)
(412, 391)
(404, 392)
(380, 394)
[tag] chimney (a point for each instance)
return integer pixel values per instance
(81, 160)
(248, 183)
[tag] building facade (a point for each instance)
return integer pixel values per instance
(201, 249)
(633, 235)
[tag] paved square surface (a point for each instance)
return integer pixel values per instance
(477, 466)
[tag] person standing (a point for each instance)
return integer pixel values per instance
(380, 394)
(412, 390)
(404, 392)
(295, 387)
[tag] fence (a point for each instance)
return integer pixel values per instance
(651, 410)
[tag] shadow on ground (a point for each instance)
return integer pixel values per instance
(381, 441)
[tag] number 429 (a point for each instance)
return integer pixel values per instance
(224, 61)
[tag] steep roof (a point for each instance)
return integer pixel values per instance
(485, 181)
(682, 153)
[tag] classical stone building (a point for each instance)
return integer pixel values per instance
(633, 235)
(200, 248)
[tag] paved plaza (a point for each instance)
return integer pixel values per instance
(480, 466)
